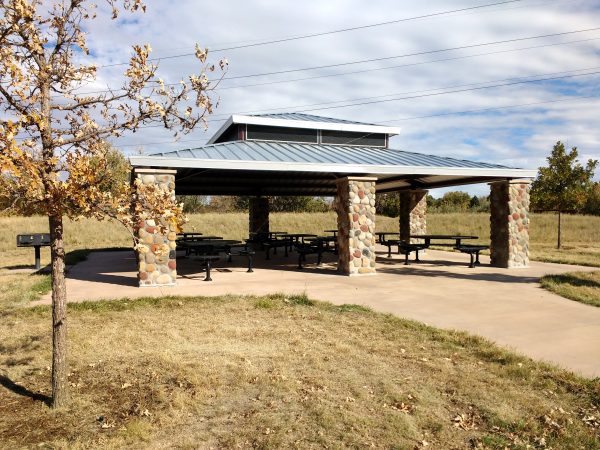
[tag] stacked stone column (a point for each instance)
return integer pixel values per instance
(509, 223)
(258, 215)
(157, 260)
(413, 214)
(355, 205)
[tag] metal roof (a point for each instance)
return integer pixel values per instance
(310, 118)
(297, 120)
(281, 168)
(299, 153)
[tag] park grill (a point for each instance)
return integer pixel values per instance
(35, 240)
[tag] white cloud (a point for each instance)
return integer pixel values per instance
(517, 136)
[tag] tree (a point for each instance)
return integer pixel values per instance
(388, 204)
(564, 184)
(592, 203)
(474, 203)
(298, 203)
(53, 155)
(193, 203)
(456, 201)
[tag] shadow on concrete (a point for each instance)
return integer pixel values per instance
(23, 391)
(116, 270)
(189, 268)
(122, 262)
(108, 278)
(416, 269)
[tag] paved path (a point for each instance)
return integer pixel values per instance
(506, 306)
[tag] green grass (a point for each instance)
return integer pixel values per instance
(582, 287)
(279, 372)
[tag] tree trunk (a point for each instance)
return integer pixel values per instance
(558, 243)
(59, 315)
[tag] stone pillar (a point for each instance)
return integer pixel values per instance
(413, 214)
(509, 223)
(258, 215)
(355, 206)
(157, 259)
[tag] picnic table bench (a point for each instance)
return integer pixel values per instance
(208, 260)
(473, 251)
(404, 248)
(315, 245)
(304, 249)
(208, 251)
(278, 242)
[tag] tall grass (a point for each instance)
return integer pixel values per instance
(581, 234)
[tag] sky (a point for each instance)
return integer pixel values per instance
(515, 124)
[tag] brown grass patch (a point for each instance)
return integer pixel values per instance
(279, 372)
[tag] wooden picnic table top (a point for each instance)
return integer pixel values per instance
(185, 234)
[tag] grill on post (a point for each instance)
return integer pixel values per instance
(36, 240)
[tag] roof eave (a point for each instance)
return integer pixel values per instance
(377, 169)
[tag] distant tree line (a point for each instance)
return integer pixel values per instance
(451, 202)
(200, 203)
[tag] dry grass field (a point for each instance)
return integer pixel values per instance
(274, 372)
(581, 238)
(279, 372)
(581, 234)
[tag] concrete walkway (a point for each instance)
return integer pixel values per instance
(506, 306)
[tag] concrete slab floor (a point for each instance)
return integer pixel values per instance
(507, 306)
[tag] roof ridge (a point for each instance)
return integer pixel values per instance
(312, 116)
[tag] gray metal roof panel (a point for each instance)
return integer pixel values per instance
(270, 151)
(310, 118)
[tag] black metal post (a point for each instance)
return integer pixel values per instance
(38, 262)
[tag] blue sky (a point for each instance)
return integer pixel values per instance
(521, 136)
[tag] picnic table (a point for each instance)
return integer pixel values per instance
(208, 251)
(324, 241)
(297, 237)
(198, 238)
(382, 234)
(315, 245)
(210, 245)
(267, 234)
(443, 237)
(279, 239)
(335, 232)
(190, 235)
(182, 240)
